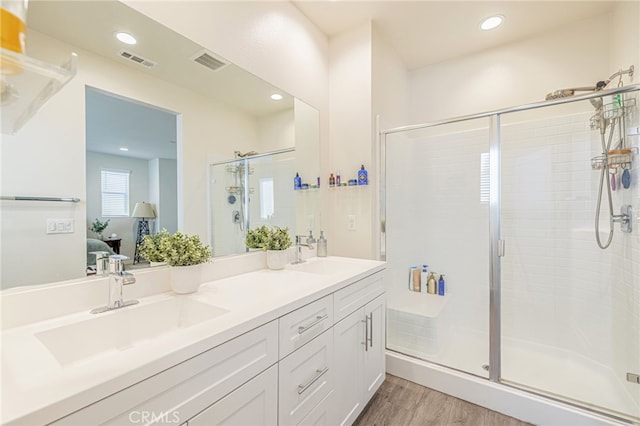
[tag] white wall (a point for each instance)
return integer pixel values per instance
(57, 135)
(276, 131)
(350, 142)
(517, 73)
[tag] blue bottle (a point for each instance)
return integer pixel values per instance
(297, 182)
(363, 179)
(441, 286)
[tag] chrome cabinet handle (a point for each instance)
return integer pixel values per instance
(366, 333)
(319, 373)
(370, 318)
(319, 318)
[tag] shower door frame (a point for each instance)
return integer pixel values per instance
(496, 244)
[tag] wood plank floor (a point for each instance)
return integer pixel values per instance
(399, 402)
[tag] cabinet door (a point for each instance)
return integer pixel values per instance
(254, 403)
(349, 358)
(374, 363)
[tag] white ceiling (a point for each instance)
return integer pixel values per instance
(113, 122)
(428, 32)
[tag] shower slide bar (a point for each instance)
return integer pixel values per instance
(526, 107)
(59, 199)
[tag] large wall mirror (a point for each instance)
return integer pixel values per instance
(164, 111)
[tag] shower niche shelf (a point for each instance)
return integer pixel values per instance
(27, 84)
(620, 158)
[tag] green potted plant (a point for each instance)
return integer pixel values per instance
(150, 248)
(274, 241)
(98, 227)
(185, 255)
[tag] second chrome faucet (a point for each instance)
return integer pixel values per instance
(118, 278)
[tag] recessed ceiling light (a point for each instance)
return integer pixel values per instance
(126, 38)
(124, 149)
(492, 22)
(276, 97)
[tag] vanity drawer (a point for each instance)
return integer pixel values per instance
(356, 295)
(302, 325)
(254, 403)
(184, 390)
(305, 379)
(322, 414)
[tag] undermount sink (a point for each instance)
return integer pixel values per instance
(325, 266)
(124, 328)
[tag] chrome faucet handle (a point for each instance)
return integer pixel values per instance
(116, 263)
(299, 239)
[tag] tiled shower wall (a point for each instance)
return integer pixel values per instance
(558, 288)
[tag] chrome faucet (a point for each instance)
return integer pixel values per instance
(102, 262)
(118, 278)
(300, 244)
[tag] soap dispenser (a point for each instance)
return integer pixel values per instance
(363, 179)
(322, 245)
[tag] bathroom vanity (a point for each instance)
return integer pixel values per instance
(303, 345)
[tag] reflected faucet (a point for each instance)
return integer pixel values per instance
(118, 278)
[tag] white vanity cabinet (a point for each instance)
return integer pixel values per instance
(182, 391)
(359, 352)
(318, 364)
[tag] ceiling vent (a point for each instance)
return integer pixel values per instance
(134, 57)
(207, 59)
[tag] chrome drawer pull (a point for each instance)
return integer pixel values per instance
(319, 373)
(319, 318)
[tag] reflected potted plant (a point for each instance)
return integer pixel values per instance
(98, 227)
(274, 241)
(185, 255)
(150, 248)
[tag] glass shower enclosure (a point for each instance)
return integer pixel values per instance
(249, 192)
(503, 205)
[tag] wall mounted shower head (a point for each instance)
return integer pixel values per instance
(563, 93)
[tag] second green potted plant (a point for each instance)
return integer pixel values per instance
(185, 254)
(274, 241)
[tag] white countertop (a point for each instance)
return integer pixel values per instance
(36, 389)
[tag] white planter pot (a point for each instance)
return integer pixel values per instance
(276, 259)
(186, 279)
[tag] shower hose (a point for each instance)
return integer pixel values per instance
(604, 178)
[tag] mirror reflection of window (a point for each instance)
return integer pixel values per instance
(266, 198)
(115, 192)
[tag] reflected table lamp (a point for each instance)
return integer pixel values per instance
(142, 211)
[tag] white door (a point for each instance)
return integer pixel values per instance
(348, 365)
(374, 363)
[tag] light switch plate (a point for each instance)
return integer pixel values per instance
(60, 226)
(351, 222)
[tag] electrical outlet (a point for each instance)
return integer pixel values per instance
(59, 226)
(351, 222)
